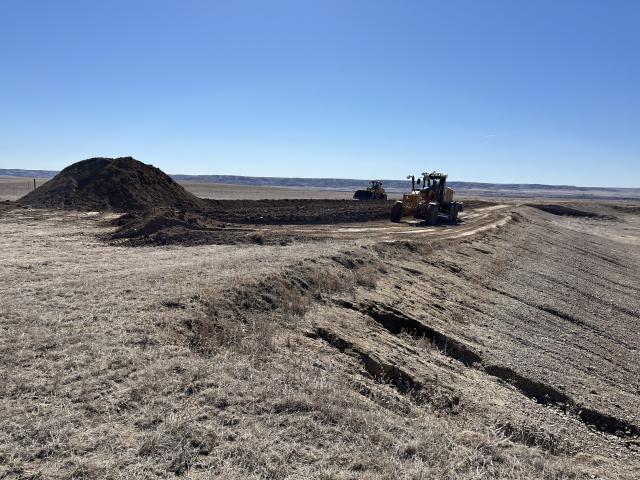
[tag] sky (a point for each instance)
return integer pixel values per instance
(503, 91)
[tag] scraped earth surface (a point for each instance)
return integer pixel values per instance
(505, 346)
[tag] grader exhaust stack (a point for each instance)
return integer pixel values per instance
(429, 202)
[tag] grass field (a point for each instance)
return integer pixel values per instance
(12, 188)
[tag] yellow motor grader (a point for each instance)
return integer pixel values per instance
(429, 201)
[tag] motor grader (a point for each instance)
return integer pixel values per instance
(375, 191)
(429, 201)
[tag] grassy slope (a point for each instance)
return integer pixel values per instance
(246, 362)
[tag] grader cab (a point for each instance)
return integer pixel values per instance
(429, 201)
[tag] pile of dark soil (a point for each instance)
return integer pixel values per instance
(6, 205)
(297, 212)
(565, 210)
(121, 184)
(166, 227)
(151, 222)
(179, 227)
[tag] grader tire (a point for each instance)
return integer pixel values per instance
(396, 212)
(432, 213)
(453, 213)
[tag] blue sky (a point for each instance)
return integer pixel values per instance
(497, 91)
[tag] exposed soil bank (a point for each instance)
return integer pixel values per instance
(6, 205)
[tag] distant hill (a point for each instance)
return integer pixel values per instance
(15, 172)
(348, 184)
(345, 183)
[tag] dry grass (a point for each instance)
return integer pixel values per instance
(89, 335)
(202, 362)
(12, 188)
(249, 315)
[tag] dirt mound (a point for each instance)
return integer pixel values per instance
(121, 184)
(180, 227)
(565, 210)
(6, 205)
(151, 222)
(165, 227)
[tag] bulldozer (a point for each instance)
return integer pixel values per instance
(375, 191)
(429, 201)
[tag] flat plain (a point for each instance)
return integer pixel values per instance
(505, 346)
(12, 188)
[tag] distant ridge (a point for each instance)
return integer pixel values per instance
(346, 184)
(351, 183)
(16, 172)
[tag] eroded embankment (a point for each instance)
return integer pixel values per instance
(489, 303)
(354, 358)
(398, 322)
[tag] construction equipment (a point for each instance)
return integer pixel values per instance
(375, 191)
(429, 202)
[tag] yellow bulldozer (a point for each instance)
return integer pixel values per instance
(428, 201)
(375, 191)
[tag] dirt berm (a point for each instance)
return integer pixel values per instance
(120, 184)
(157, 204)
(5, 206)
